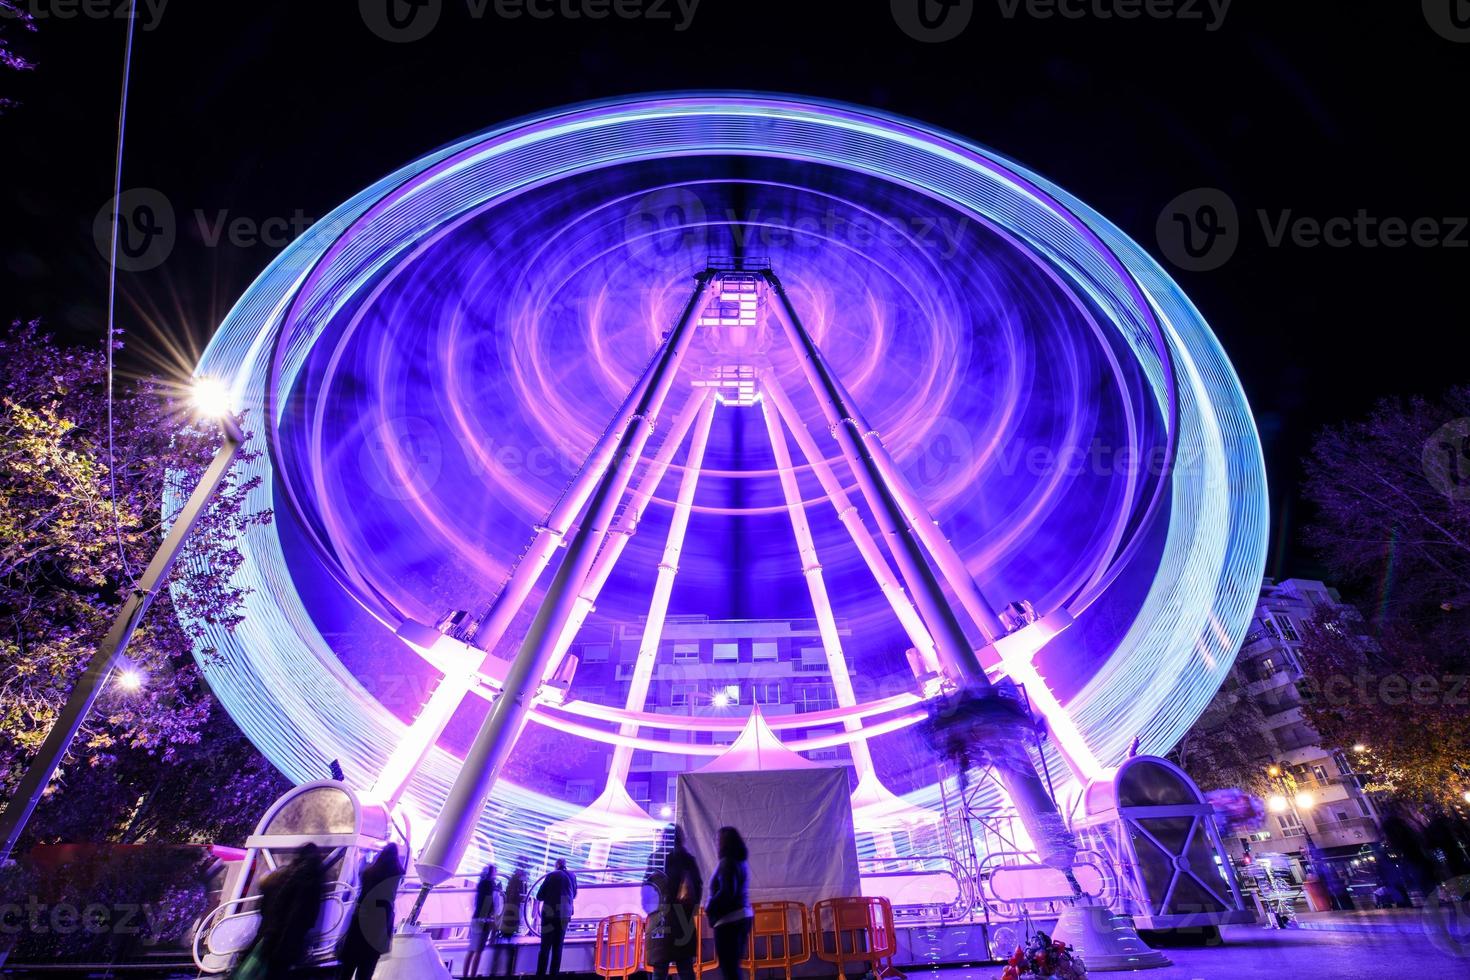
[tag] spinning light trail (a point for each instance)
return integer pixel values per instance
(430, 366)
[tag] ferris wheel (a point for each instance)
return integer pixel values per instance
(703, 351)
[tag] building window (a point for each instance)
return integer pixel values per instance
(673, 789)
(680, 693)
(727, 653)
(813, 659)
(1268, 667)
(1287, 629)
(1320, 772)
(766, 693)
(815, 697)
(638, 790)
(686, 652)
(1363, 805)
(1270, 625)
(1291, 824)
(596, 653)
(579, 791)
(764, 650)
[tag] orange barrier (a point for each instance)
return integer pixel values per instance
(780, 937)
(856, 930)
(706, 944)
(619, 950)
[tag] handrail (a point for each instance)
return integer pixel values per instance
(965, 898)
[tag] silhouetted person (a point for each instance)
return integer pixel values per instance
(673, 938)
(503, 956)
(729, 910)
(290, 905)
(369, 932)
(556, 895)
(484, 918)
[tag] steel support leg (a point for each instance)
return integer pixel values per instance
(627, 524)
(852, 519)
(550, 534)
(1006, 725)
(113, 646)
(663, 587)
(471, 790)
(811, 569)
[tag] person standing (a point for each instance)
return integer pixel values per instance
(729, 910)
(556, 895)
(673, 931)
(484, 917)
(369, 931)
(290, 906)
(503, 956)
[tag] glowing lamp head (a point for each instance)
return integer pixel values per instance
(210, 398)
(721, 699)
(1276, 803)
(1465, 796)
(1360, 748)
(666, 811)
(1273, 771)
(130, 680)
(1304, 801)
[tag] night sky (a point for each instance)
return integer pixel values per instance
(1318, 109)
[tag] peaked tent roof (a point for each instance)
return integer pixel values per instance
(758, 748)
(613, 817)
(875, 808)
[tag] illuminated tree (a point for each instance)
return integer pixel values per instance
(67, 557)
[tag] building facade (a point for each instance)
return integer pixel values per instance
(707, 667)
(1315, 796)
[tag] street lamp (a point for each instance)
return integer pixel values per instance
(211, 399)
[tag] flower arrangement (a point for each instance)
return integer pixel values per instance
(1044, 957)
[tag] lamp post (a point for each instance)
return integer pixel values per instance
(210, 400)
(1297, 801)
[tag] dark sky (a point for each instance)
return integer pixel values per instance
(1313, 109)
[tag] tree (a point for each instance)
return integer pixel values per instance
(68, 553)
(1225, 746)
(1411, 720)
(13, 14)
(1392, 500)
(1392, 521)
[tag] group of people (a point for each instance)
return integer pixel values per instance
(291, 902)
(672, 937)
